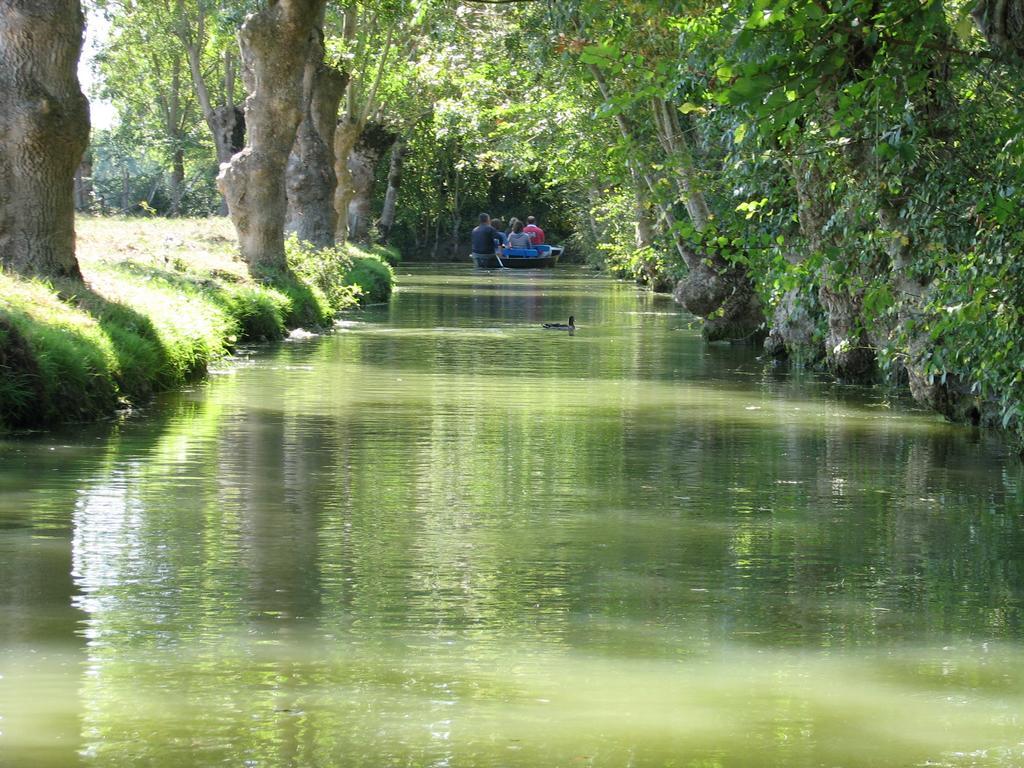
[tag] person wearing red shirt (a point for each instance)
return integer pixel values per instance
(536, 233)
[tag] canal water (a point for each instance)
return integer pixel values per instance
(442, 536)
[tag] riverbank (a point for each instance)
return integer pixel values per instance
(161, 300)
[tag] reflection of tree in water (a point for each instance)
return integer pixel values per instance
(386, 546)
(831, 534)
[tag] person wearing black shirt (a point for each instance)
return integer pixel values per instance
(485, 237)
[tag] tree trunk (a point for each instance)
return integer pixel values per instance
(797, 316)
(643, 226)
(437, 239)
(44, 130)
(226, 122)
(715, 289)
(597, 233)
(177, 180)
(456, 217)
(126, 196)
(274, 42)
(848, 351)
(720, 293)
(1002, 24)
(83, 183)
(345, 137)
(387, 216)
(373, 142)
(310, 176)
(675, 145)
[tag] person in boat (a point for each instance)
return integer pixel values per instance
(519, 238)
(485, 238)
(511, 225)
(536, 233)
(499, 225)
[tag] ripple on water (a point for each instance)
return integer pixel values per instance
(442, 536)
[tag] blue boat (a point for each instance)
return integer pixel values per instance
(538, 257)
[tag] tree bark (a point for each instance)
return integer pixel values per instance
(373, 142)
(1002, 24)
(346, 135)
(387, 216)
(311, 179)
(228, 128)
(643, 225)
(675, 145)
(797, 316)
(225, 121)
(126, 197)
(44, 130)
(274, 42)
(177, 181)
(83, 183)
(720, 292)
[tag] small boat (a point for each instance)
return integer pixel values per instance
(538, 257)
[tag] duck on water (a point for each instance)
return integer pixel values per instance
(570, 326)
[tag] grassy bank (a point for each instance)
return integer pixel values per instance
(161, 300)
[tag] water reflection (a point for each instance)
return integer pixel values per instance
(445, 537)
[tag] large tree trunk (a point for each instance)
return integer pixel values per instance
(387, 215)
(274, 43)
(948, 394)
(228, 127)
(797, 316)
(373, 142)
(1002, 24)
(227, 124)
(346, 135)
(310, 175)
(720, 292)
(848, 350)
(44, 130)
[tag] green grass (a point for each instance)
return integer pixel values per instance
(161, 301)
(374, 278)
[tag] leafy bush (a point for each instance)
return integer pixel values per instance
(374, 279)
(345, 275)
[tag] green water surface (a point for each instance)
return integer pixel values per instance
(442, 536)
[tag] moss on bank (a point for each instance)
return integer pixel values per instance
(162, 299)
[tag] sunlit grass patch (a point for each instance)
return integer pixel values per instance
(58, 362)
(161, 301)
